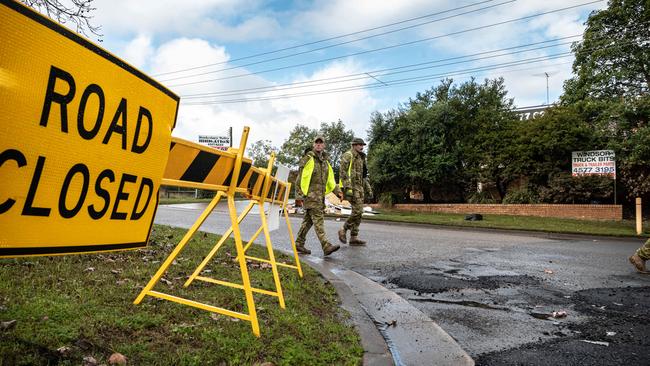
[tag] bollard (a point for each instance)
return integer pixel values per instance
(639, 217)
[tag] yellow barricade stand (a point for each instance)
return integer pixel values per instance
(193, 165)
(272, 191)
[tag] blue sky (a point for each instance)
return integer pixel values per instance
(175, 41)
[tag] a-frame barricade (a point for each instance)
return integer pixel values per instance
(193, 165)
(270, 190)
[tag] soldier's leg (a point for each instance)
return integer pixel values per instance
(318, 218)
(644, 251)
(354, 220)
(640, 257)
(304, 228)
(319, 226)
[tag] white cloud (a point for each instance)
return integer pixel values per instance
(212, 19)
(268, 119)
(138, 51)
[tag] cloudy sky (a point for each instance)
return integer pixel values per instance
(273, 64)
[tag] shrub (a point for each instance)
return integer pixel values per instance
(481, 197)
(563, 188)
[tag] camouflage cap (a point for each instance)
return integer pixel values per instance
(357, 141)
(319, 137)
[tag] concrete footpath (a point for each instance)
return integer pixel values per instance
(392, 331)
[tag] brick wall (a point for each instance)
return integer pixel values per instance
(585, 212)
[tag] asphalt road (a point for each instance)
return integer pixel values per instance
(494, 292)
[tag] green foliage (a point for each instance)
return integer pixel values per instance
(448, 136)
(564, 188)
(543, 146)
(613, 59)
(386, 199)
(260, 151)
(480, 197)
(634, 172)
(293, 148)
(521, 196)
(337, 141)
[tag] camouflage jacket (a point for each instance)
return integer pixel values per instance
(315, 196)
(354, 176)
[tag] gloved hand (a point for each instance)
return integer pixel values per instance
(369, 194)
(349, 194)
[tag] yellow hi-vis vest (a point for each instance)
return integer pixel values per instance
(349, 173)
(307, 171)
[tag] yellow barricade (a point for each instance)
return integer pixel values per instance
(197, 166)
(262, 188)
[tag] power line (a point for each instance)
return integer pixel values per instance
(336, 44)
(389, 82)
(402, 81)
(383, 72)
(387, 47)
(323, 40)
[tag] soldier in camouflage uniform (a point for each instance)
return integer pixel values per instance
(315, 180)
(638, 259)
(354, 182)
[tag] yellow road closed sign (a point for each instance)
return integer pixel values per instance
(84, 140)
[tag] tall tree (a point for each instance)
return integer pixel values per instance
(260, 151)
(337, 141)
(293, 148)
(613, 59)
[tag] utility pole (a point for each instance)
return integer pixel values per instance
(546, 73)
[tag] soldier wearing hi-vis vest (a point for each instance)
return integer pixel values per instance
(315, 180)
(355, 185)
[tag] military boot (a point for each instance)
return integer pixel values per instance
(355, 241)
(329, 249)
(343, 236)
(638, 263)
(300, 248)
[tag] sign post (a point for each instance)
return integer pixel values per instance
(84, 139)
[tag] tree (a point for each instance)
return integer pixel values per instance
(444, 141)
(611, 87)
(613, 59)
(260, 151)
(76, 12)
(337, 141)
(301, 138)
(293, 148)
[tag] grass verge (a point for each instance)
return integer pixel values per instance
(84, 303)
(528, 223)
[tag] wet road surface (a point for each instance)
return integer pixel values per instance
(494, 292)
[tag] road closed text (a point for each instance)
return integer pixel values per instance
(83, 190)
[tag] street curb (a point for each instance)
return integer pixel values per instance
(531, 233)
(393, 332)
(374, 345)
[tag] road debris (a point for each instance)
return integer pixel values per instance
(599, 343)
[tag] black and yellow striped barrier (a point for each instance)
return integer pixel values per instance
(197, 166)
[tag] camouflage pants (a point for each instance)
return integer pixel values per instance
(354, 220)
(644, 251)
(313, 216)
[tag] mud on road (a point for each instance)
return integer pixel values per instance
(511, 319)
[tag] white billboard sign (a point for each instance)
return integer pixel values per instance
(595, 162)
(218, 142)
